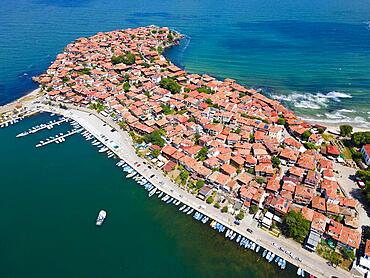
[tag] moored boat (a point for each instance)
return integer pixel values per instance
(101, 217)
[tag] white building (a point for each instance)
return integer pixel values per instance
(365, 150)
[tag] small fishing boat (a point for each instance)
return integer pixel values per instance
(258, 248)
(190, 211)
(151, 193)
(101, 217)
(264, 253)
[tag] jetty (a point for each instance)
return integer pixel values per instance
(40, 127)
(120, 143)
(58, 138)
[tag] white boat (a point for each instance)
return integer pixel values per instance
(101, 217)
(227, 233)
(131, 174)
(258, 248)
(151, 193)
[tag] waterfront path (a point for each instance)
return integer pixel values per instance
(101, 128)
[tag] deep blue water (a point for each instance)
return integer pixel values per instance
(313, 55)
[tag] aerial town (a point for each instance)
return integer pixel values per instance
(229, 145)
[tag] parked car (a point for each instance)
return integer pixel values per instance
(249, 231)
(360, 184)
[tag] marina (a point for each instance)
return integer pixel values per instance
(165, 194)
(41, 127)
(131, 170)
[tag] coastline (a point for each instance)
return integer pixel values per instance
(127, 153)
(100, 126)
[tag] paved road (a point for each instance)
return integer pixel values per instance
(312, 263)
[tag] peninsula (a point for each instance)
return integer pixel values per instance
(241, 158)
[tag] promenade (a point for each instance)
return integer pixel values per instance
(120, 143)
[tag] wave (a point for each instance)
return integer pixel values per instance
(312, 101)
(338, 117)
(346, 110)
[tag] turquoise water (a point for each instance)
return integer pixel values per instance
(313, 55)
(50, 197)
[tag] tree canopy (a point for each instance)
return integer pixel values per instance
(281, 121)
(128, 58)
(205, 90)
(345, 130)
(275, 161)
(202, 154)
(360, 138)
(155, 138)
(305, 135)
(170, 84)
(296, 226)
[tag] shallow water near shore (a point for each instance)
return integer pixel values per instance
(312, 55)
(50, 197)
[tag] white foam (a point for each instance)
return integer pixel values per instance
(346, 110)
(312, 101)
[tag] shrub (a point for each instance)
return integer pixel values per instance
(170, 84)
(253, 209)
(209, 200)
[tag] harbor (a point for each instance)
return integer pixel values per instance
(64, 205)
(115, 143)
(121, 145)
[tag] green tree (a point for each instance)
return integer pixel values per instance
(240, 215)
(209, 101)
(84, 71)
(199, 184)
(170, 84)
(184, 175)
(126, 86)
(295, 226)
(205, 90)
(360, 138)
(356, 155)
(335, 258)
(224, 209)
(217, 205)
(128, 58)
(155, 153)
(260, 180)
(275, 161)
(166, 109)
(202, 154)
(281, 121)
(347, 254)
(305, 135)
(253, 209)
(196, 138)
(345, 130)
(310, 146)
(155, 138)
(209, 200)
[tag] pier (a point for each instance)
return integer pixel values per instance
(58, 139)
(121, 145)
(49, 125)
